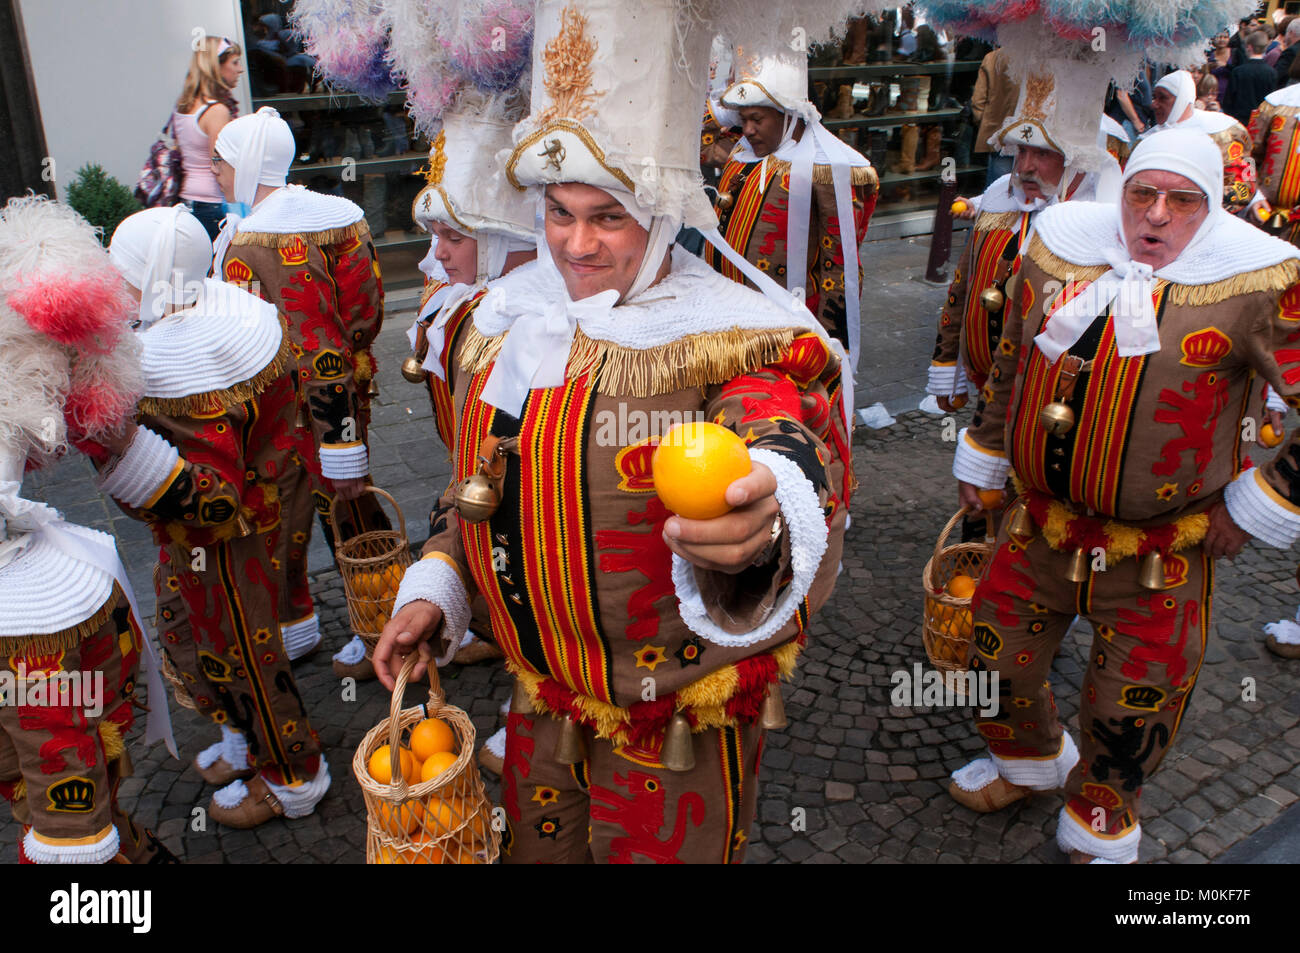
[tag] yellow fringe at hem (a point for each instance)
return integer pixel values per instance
(329, 236)
(193, 405)
(705, 699)
(1277, 277)
(697, 360)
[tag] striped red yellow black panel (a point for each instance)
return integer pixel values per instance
(732, 761)
(1288, 188)
(975, 323)
(477, 537)
(743, 218)
(440, 390)
(1096, 464)
(555, 526)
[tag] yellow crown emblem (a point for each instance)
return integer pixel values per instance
(295, 253)
(1205, 348)
(75, 795)
(986, 640)
(216, 669)
(1141, 697)
(328, 365)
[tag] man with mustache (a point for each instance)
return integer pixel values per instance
(1134, 336)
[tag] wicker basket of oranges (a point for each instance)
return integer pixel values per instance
(948, 581)
(424, 795)
(372, 565)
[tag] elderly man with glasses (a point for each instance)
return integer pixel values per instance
(1135, 334)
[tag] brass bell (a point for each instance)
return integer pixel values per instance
(772, 717)
(1279, 222)
(725, 199)
(571, 748)
(477, 498)
(1152, 573)
(412, 371)
(1077, 571)
(992, 298)
(244, 527)
(374, 389)
(304, 418)
(1056, 418)
(521, 703)
(1022, 524)
(678, 753)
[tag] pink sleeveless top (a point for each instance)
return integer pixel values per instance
(199, 184)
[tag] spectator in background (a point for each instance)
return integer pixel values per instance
(1207, 92)
(1222, 61)
(1274, 48)
(205, 105)
(992, 102)
(1251, 81)
(1290, 38)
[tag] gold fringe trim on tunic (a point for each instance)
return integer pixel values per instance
(193, 405)
(997, 221)
(696, 360)
(1277, 277)
(363, 366)
(52, 642)
(858, 175)
(111, 735)
(329, 236)
(705, 699)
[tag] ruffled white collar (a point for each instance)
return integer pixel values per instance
(296, 209)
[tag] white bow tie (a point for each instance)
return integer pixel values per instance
(1129, 286)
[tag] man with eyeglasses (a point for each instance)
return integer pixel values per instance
(1135, 334)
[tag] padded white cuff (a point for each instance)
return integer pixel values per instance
(344, 462)
(974, 464)
(806, 525)
(1275, 401)
(40, 850)
(301, 799)
(1256, 508)
(1071, 835)
(301, 637)
(138, 475)
(946, 380)
(436, 580)
(1046, 774)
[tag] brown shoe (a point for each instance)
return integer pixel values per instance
(490, 762)
(221, 772)
(1286, 650)
(994, 796)
(257, 807)
(362, 671)
(478, 650)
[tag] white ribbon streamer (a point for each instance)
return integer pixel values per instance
(1127, 290)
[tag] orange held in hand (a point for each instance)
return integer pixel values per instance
(961, 586)
(693, 466)
(429, 737)
(959, 206)
(1269, 437)
(992, 499)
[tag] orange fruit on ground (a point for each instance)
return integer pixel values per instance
(693, 466)
(381, 769)
(430, 736)
(992, 499)
(1269, 437)
(961, 586)
(436, 763)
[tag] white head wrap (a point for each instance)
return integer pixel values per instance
(260, 148)
(1183, 88)
(1129, 283)
(166, 254)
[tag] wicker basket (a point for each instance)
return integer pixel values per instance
(445, 820)
(372, 565)
(180, 691)
(946, 623)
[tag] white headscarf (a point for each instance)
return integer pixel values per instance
(166, 254)
(260, 148)
(1129, 283)
(1183, 88)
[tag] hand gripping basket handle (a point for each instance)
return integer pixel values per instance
(401, 520)
(942, 541)
(395, 705)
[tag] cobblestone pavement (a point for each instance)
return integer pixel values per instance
(869, 779)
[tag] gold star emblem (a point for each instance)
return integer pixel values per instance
(650, 656)
(1166, 492)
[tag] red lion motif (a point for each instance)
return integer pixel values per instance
(647, 554)
(642, 816)
(1196, 417)
(1156, 628)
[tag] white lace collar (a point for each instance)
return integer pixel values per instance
(293, 209)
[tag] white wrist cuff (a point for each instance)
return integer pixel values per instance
(344, 462)
(148, 465)
(1275, 401)
(1256, 508)
(41, 850)
(974, 464)
(806, 524)
(436, 580)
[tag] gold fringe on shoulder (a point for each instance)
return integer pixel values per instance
(52, 642)
(1277, 277)
(696, 360)
(997, 221)
(859, 175)
(194, 404)
(329, 236)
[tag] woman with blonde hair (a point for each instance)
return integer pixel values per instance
(205, 105)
